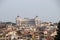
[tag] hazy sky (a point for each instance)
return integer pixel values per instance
(47, 10)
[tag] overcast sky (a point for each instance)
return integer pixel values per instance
(47, 10)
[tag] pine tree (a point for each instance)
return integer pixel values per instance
(58, 33)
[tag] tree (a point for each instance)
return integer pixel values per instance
(58, 33)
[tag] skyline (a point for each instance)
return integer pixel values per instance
(47, 10)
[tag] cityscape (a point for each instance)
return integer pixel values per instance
(28, 29)
(29, 20)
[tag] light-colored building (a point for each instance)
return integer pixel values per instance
(27, 22)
